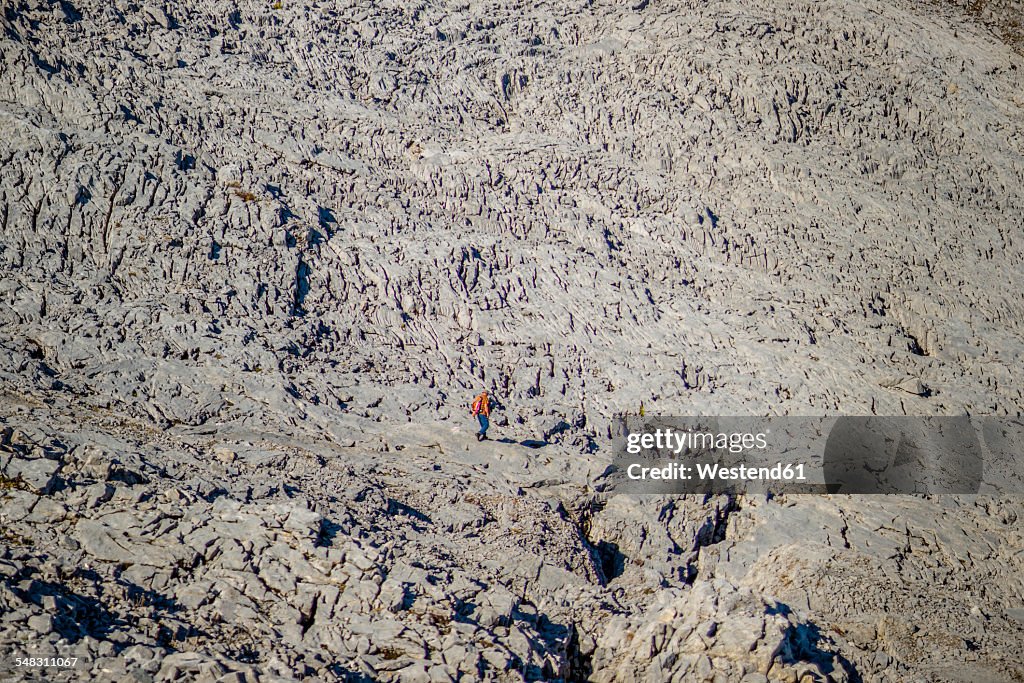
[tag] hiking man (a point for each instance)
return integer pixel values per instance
(482, 411)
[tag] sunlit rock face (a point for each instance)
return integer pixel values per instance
(256, 259)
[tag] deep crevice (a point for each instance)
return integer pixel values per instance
(712, 532)
(580, 665)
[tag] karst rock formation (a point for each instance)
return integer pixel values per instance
(256, 258)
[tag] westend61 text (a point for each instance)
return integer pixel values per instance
(714, 472)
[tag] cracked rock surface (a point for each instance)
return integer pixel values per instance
(256, 258)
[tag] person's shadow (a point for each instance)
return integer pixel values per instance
(529, 443)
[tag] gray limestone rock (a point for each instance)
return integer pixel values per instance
(257, 258)
(39, 474)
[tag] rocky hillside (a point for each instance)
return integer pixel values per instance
(256, 258)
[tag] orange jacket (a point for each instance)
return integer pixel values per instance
(482, 404)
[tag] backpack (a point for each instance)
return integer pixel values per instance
(480, 403)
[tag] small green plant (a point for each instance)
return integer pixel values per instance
(8, 484)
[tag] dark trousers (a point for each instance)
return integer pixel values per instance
(484, 423)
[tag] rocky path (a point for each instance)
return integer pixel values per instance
(161, 555)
